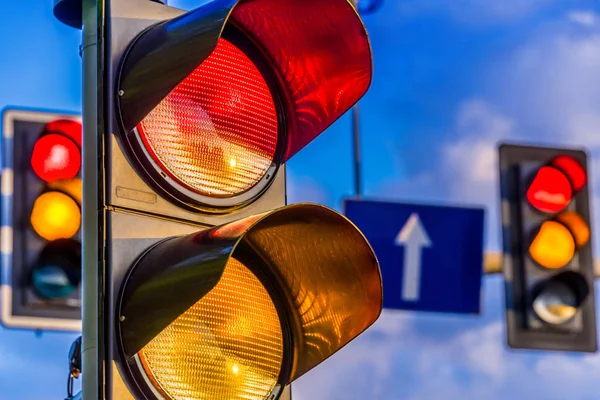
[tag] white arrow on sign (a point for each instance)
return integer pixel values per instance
(414, 238)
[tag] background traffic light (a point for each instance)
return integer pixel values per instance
(41, 220)
(209, 286)
(548, 262)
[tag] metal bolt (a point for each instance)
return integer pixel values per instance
(122, 318)
(121, 93)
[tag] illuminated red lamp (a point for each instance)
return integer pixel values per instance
(67, 127)
(55, 157)
(573, 170)
(215, 142)
(555, 184)
(550, 190)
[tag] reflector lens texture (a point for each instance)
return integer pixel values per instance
(216, 132)
(229, 345)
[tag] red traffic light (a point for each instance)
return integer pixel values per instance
(67, 127)
(265, 78)
(216, 133)
(55, 157)
(550, 190)
(554, 185)
(573, 170)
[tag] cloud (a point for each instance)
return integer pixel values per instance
(529, 100)
(469, 161)
(359, 370)
(586, 18)
(463, 169)
(472, 156)
(305, 189)
(396, 360)
(555, 101)
(542, 92)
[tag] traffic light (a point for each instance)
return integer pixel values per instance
(548, 262)
(209, 286)
(41, 220)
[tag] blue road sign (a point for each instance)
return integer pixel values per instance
(431, 257)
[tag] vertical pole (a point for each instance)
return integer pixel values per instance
(356, 141)
(92, 266)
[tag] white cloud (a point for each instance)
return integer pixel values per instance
(305, 189)
(586, 18)
(545, 92)
(469, 162)
(359, 370)
(472, 157)
(549, 85)
(431, 356)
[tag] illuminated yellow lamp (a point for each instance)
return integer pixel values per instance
(578, 227)
(73, 187)
(553, 245)
(229, 345)
(55, 215)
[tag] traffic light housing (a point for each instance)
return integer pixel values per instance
(212, 287)
(548, 261)
(41, 220)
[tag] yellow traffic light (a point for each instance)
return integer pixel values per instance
(553, 245)
(576, 225)
(55, 215)
(227, 345)
(243, 309)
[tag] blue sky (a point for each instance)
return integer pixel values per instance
(452, 78)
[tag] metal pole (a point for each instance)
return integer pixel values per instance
(92, 384)
(356, 141)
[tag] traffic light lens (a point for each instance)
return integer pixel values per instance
(216, 132)
(67, 127)
(550, 191)
(55, 216)
(72, 187)
(229, 345)
(578, 227)
(556, 303)
(52, 282)
(553, 245)
(55, 157)
(573, 169)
